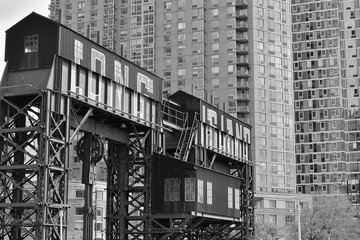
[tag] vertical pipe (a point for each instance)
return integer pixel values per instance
(61, 223)
(299, 222)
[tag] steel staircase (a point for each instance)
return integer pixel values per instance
(186, 140)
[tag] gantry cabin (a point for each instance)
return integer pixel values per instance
(43, 54)
(209, 130)
(208, 146)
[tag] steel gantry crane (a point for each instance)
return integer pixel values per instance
(169, 168)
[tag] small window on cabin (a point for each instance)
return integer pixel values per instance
(209, 194)
(78, 51)
(172, 189)
(190, 189)
(230, 197)
(31, 43)
(200, 191)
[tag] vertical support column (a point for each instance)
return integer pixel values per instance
(116, 191)
(33, 165)
(88, 181)
(17, 212)
(54, 158)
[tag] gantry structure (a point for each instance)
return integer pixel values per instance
(57, 85)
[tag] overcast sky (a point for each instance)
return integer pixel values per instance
(12, 11)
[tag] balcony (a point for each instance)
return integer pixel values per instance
(243, 109)
(242, 49)
(242, 37)
(242, 60)
(243, 97)
(241, 14)
(242, 26)
(242, 83)
(241, 4)
(242, 72)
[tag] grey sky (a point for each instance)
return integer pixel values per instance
(13, 11)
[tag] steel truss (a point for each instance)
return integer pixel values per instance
(246, 173)
(35, 141)
(129, 187)
(33, 165)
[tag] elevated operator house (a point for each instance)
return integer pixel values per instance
(203, 184)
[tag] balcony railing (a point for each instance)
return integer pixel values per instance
(241, 14)
(242, 60)
(242, 37)
(242, 83)
(242, 48)
(241, 2)
(243, 96)
(241, 72)
(243, 109)
(242, 25)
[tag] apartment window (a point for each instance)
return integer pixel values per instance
(209, 194)
(167, 27)
(94, 2)
(215, 70)
(215, 47)
(181, 37)
(272, 203)
(181, 3)
(167, 5)
(198, 36)
(68, 6)
(181, 48)
(289, 219)
(198, 13)
(181, 59)
(215, 36)
(261, 45)
(167, 49)
(81, 5)
(181, 15)
(215, 59)
(181, 72)
(181, 25)
(79, 194)
(78, 211)
(273, 219)
(215, 23)
(167, 62)
(167, 16)
(198, 25)
(31, 43)
(230, 197)
(214, 13)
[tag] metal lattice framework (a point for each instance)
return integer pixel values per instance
(129, 192)
(33, 165)
(35, 137)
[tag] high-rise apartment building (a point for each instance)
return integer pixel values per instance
(235, 54)
(326, 82)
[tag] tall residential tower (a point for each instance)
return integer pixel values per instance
(234, 54)
(326, 82)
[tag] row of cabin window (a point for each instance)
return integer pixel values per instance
(172, 188)
(91, 85)
(223, 142)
